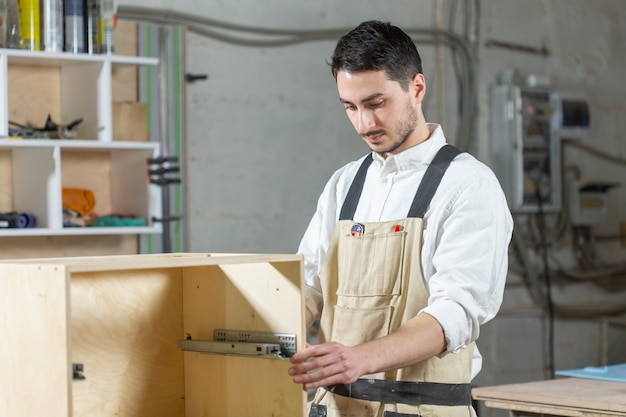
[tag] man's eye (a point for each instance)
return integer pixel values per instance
(377, 104)
(349, 108)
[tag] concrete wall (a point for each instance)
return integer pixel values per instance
(266, 131)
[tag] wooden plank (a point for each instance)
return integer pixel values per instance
(158, 260)
(6, 181)
(547, 410)
(569, 393)
(34, 352)
(64, 246)
(124, 330)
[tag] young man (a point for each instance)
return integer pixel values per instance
(406, 254)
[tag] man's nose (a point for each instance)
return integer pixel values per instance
(365, 121)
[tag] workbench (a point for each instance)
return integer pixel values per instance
(575, 397)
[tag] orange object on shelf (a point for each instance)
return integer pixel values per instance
(80, 200)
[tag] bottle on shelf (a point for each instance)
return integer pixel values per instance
(92, 26)
(30, 24)
(3, 23)
(13, 31)
(107, 26)
(52, 11)
(74, 26)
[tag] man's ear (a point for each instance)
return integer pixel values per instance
(418, 86)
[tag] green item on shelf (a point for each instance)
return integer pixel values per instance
(117, 221)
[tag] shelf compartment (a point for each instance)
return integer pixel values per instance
(28, 185)
(35, 172)
(67, 86)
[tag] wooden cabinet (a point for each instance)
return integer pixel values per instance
(121, 318)
(34, 171)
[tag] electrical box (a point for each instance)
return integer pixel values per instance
(588, 204)
(525, 123)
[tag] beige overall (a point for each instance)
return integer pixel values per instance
(373, 284)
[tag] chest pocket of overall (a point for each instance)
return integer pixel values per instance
(370, 278)
(371, 265)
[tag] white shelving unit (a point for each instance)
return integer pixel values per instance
(33, 172)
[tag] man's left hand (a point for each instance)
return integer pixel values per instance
(326, 364)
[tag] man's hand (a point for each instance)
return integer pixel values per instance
(420, 338)
(326, 364)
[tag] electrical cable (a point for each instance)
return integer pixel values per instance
(547, 278)
(286, 37)
(597, 152)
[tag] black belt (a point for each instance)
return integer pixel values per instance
(404, 392)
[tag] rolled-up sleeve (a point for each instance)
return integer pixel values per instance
(465, 256)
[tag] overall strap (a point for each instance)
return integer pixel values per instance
(432, 178)
(423, 196)
(354, 193)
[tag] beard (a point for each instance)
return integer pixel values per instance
(403, 129)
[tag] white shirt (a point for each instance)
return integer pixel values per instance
(467, 230)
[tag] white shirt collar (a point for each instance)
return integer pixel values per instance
(420, 154)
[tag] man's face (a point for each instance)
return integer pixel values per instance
(384, 114)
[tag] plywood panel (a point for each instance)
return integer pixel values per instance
(124, 330)
(34, 359)
(563, 396)
(256, 297)
(124, 78)
(34, 92)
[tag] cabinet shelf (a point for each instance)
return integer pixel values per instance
(58, 59)
(79, 231)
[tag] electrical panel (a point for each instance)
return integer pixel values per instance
(525, 123)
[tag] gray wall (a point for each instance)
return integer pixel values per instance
(266, 131)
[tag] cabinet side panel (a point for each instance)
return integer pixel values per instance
(254, 297)
(125, 325)
(35, 376)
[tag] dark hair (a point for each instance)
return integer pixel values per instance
(378, 46)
